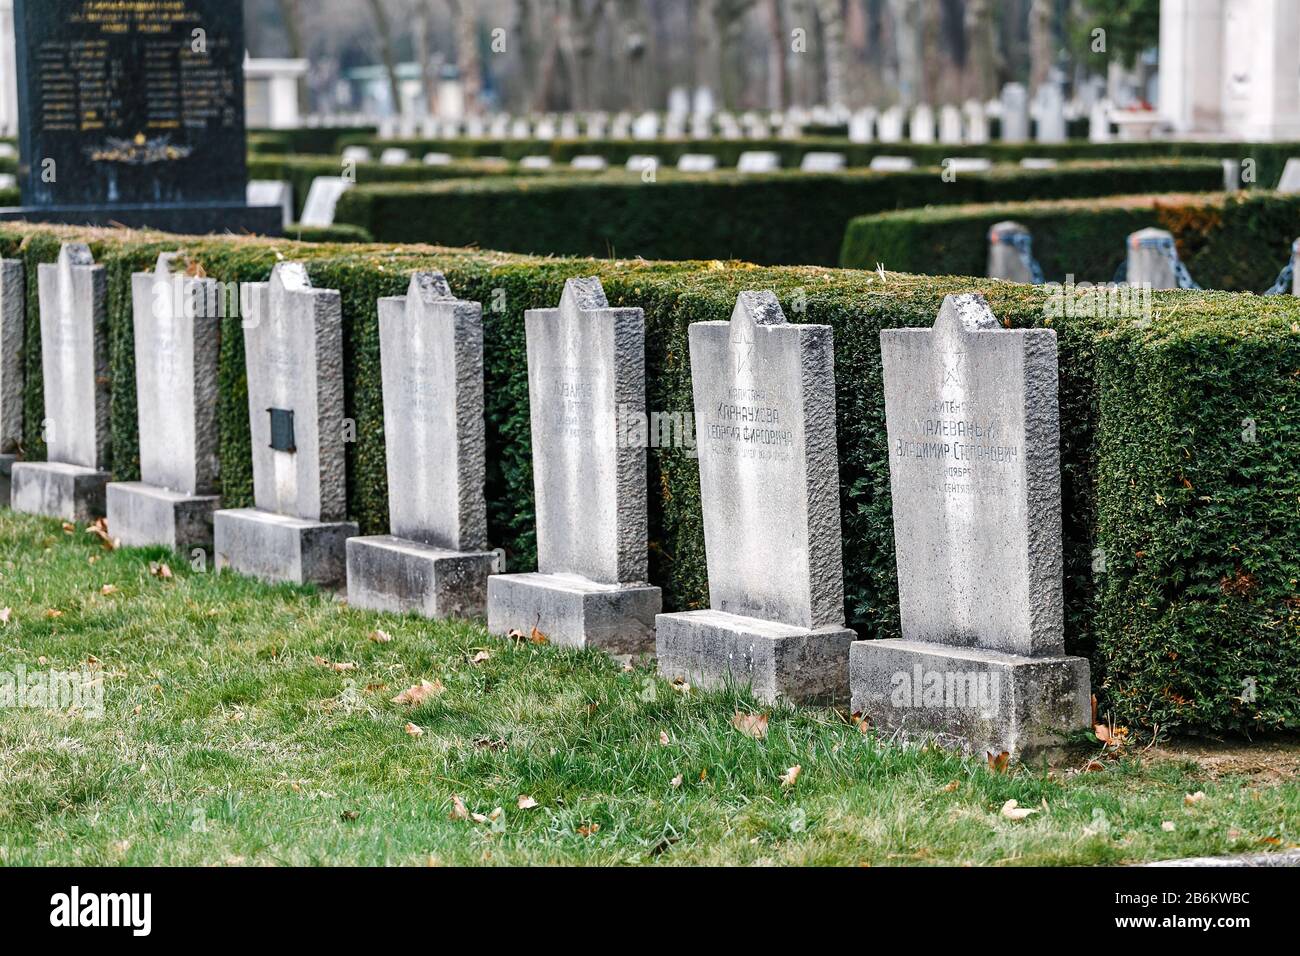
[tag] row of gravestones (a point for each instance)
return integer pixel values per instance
(972, 422)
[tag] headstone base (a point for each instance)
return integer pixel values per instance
(6, 468)
(278, 548)
(192, 219)
(574, 612)
(56, 490)
(142, 516)
(970, 699)
(711, 649)
(388, 573)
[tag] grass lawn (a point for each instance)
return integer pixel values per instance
(246, 724)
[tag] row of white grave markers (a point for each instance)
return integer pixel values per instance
(973, 432)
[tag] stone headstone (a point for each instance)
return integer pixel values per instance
(586, 371)
(177, 330)
(13, 324)
(323, 199)
(1011, 253)
(1231, 175)
(1015, 113)
(590, 163)
(535, 162)
(646, 126)
(134, 113)
(357, 154)
(272, 192)
(967, 164)
(769, 487)
(1099, 122)
(974, 458)
(950, 125)
(1295, 268)
(977, 123)
(293, 356)
(889, 129)
(1290, 181)
(434, 561)
(545, 128)
(862, 126)
(438, 159)
(568, 126)
(921, 124)
(819, 162)
(697, 163)
(8, 181)
(758, 161)
(891, 164)
(520, 129)
(1037, 162)
(74, 364)
(1049, 110)
(1152, 259)
(394, 156)
(701, 127)
(639, 163)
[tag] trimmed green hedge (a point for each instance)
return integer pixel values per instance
(311, 140)
(1236, 242)
(1197, 594)
(776, 218)
(1269, 158)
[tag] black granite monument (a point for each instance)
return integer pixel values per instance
(132, 112)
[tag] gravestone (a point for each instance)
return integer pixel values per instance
(275, 193)
(889, 129)
(769, 486)
(977, 123)
(586, 372)
(1231, 175)
(535, 162)
(435, 561)
(13, 324)
(697, 163)
(1152, 259)
(394, 156)
(966, 164)
(639, 163)
(357, 154)
(133, 113)
(69, 484)
(1295, 267)
(1011, 253)
(950, 125)
(1049, 110)
(177, 327)
(862, 126)
(1015, 113)
(816, 162)
(1290, 181)
(589, 163)
(974, 461)
(891, 164)
(437, 159)
(323, 200)
(1037, 162)
(293, 357)
(921, 124)
(758, 161)
(1099, 123)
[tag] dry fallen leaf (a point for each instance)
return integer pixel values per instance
(480, 658)
(5, 614)
(526, 802)
(1013, 811)
(676, 781)
(753, 725)
(108, 589)
(380, 637)
(160, 569)
(952, 787)
(100, 530)
(1168, 826)
(790, 776)
(53, 613)
(515, 634)
(419, 693)
(589, 829)
(1194, 798)
(69, 527)
(536, 637)
(998, 764)
(458, 810)
(663, 734)
(337, 666)
(414, 730)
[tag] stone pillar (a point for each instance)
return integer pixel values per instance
(13, 322)
(1015, 113)
(8, 71)
(1148, 260)
(1006, 260)
(1191, 64)
(1261, 74)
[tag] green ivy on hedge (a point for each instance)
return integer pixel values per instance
(1198, 529)
(1237, 242)
(776, 218)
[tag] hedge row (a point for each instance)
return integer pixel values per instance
(775, 218)
(1237, 242)
(1269, 158)
(311, 140)
(1194, 513)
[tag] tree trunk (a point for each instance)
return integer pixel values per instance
(778, 74)
(907, 34)
(386, 51)
(981, 59)
(291, 17)
(467, 61)
(831, 13)
(1041, 43)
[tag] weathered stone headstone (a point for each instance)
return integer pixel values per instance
(639, 163)
(1152, 259)
(1231, 175)
(293, 356)
(438, 159)
(891, 164)
(817, 162)
(758, 161)
(1015, 113)
(1049, 110)
(133, 113)
(974, 459)
(1011, 254)
(69, 484)
(1290, 181)
(435, 562)
(272, 192)
(889, 129)
(586, 371)
(177, 325)
(697, 163)
(394, 156)
(967, 164)
(357, 154)
(535, 162)
(977, 123)
(769, 486)
(590, 163)
(1037, 162)
(950, 125)
(13, 323)
(921, 124)
(1099, 123)
(323, 199)
(862, 126)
